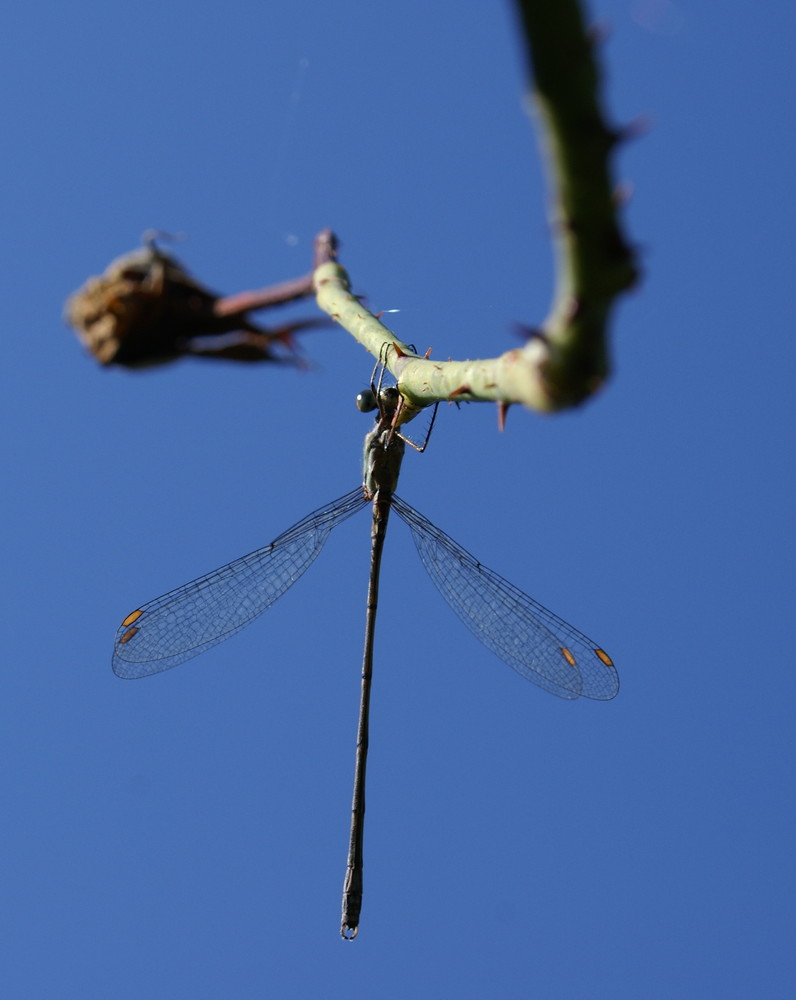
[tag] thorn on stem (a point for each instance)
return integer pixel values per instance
(529, 333)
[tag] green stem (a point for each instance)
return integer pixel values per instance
(566, 360)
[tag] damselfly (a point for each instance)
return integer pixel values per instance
(536, 643)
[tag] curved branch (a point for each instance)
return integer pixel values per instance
(566, 359)
(595, 263)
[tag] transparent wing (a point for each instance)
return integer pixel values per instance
(535, 642)
(200, 614)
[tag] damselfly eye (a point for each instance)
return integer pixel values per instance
(366, 401)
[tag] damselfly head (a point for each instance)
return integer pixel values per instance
(366, 401)
(385, 400)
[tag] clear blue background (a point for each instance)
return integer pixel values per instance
(185, 836)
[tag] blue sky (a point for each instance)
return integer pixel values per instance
(185, 835)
